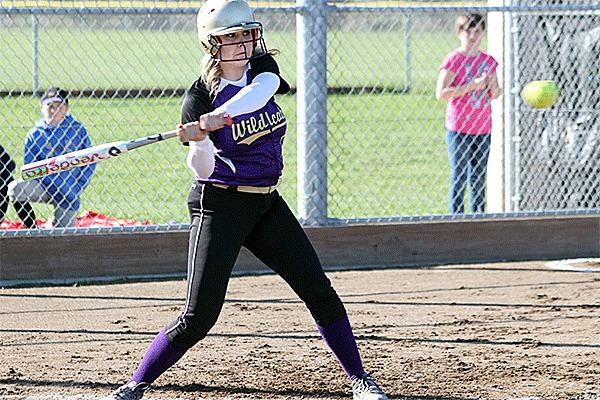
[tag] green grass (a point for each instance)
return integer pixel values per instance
(386, 153)
(81, 58)
(382, 164)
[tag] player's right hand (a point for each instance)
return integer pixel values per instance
(214, 120)
(191, 132)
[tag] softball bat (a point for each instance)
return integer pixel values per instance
(91, 155)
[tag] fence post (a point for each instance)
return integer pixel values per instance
(511, 202)
(312, 111)
(35, 66)
(407, 54)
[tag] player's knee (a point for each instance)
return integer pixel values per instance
(326, 307)
(185, 332)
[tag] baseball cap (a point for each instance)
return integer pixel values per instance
(54, 94)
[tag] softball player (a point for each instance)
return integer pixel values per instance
(234, 201)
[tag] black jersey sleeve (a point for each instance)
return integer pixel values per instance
(197, 102)
(267, 63)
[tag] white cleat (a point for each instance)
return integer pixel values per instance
(365, 388)
(129, 391)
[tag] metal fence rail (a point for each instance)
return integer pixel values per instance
(366, 134)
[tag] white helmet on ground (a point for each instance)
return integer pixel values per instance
(221, 17)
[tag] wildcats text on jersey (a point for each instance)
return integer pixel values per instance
(257, 126)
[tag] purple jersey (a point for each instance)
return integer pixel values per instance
(249, 152)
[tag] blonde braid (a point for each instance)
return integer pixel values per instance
(211, 74)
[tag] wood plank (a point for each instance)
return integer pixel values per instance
(102, 256)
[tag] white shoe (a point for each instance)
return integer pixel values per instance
(129, 391)
(365, 388)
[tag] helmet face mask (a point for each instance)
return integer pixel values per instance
(258, 44)
(222, 17)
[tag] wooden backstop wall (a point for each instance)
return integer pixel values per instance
(70, 258)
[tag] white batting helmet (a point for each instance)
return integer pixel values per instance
(220, 17)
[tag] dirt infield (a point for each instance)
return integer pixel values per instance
(494, 331)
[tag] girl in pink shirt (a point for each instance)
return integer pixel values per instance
(467, 80)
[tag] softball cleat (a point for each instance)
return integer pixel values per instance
(129, 391)
(365, 388)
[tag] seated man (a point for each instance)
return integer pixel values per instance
(55, 134)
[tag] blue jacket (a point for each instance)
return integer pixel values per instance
(44, 141)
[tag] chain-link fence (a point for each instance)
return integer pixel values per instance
(366, 135)
(561, 144)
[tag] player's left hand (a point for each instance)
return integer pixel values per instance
(191, 132)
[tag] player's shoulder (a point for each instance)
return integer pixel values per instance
(264, 63)
(267, 63)
(198, 90)
(197, 101)
(198, 86)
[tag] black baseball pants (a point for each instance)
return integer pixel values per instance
(222, 221)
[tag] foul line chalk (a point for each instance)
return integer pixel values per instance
(576, 264)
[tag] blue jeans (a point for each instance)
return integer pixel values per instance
(468, 155)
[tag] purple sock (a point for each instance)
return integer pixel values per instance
(159, 357)
(340, 339)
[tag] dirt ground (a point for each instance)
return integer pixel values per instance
(493, 331)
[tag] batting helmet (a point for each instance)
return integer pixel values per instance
(221, 17)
